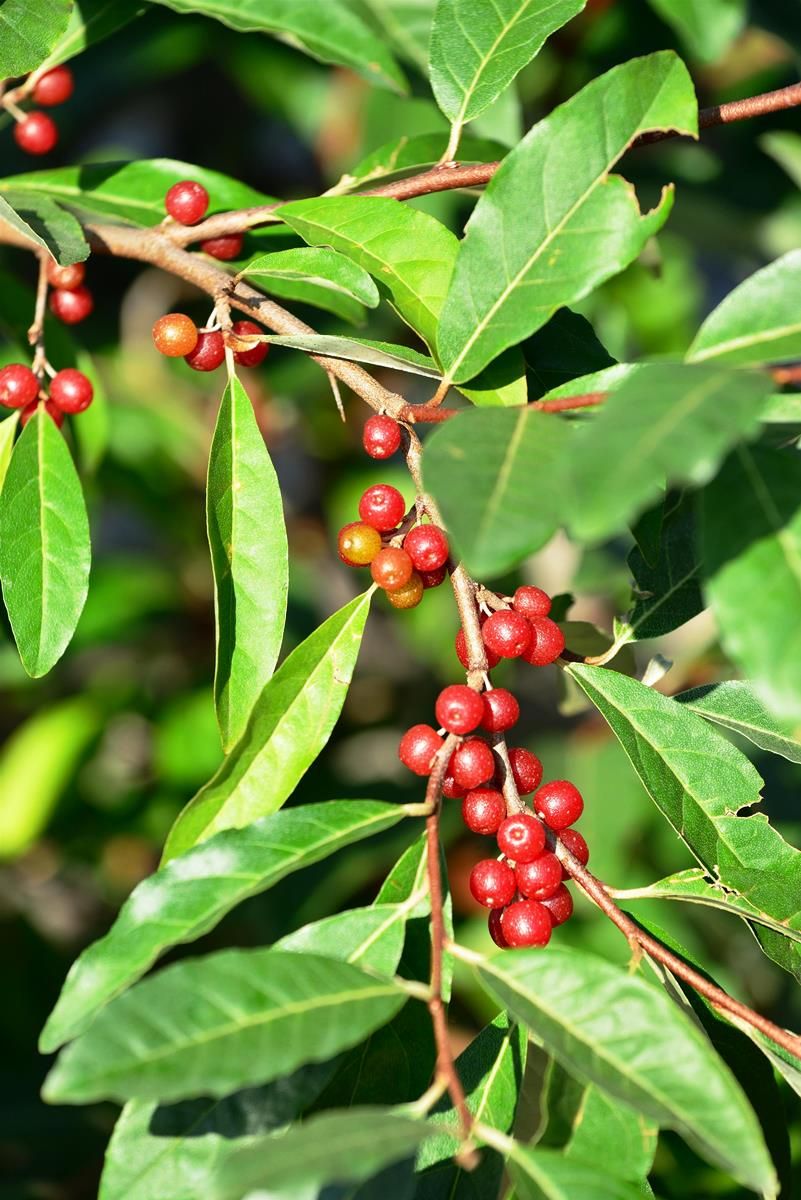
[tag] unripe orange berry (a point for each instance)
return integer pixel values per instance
(358, 543)
(391, 568)
(410, 595)
(175, 335)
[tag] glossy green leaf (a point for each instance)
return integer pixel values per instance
(376, 354)
(191, 894)
(291, 722)
(667, 593)
(412, 154)
(735, 705)
(624, 1034)
(8, 432)
(28, 31)
(341, 38)
(554, 216)
(44, 545)
(407, 24)
(707, 27)
(479, 467)
(90, 21)
(666, 423)
(249, 557)
(478, 46)
(547, 1175)
(565, 349)
(751, 536)
(368, 937)
(315, 276)
(758, 322)
(46, 224)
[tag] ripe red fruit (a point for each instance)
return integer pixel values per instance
(408, 596)
(531, 602)
(575, 843)
(541, 878)
(71, 305)
(257, 352)
(71, 391)
(175, 335)
(381, 436)
(483, 810)
(547, 642)
(501, 710)
(18, 386)
(472, 764)
(526, 770)
(494, 927)
(559, 905)
(383, 507)
(36, 133)
(31, 409)
(459, 709)
(358, 544)
(492, 883)
(418, 747)
(450, 788)
(559, 803)
(461, 653)
(391, 568)
(187, 201)
(521, 837)
(66, 278)
(427, 546)
(208, 352)
(506, 633)
(223, 248)
(526, 923)
(432, 579)
(54, 87)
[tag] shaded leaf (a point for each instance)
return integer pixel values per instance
(377, 354)
(668, 593)
(566, 348)
(784, 146)
(407, 24)
(707, 27)
(735, 705)
(548, 1175)
(90, 21)
(315, 276)
(45, 223)
(28, 31)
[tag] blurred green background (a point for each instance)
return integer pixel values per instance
(97, 759)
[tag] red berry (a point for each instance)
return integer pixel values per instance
(492, 883)
(418, 747)
(358, 544)
(391, 568)
(187, 201)
(257, 351)
(383, 507)
(18, 386)
(495, 931)
(72, 305)
(66, 278)
(31, 409)
(541, 878)
(36, 133)
(427, 546)
(473, 763)
(223, 248)
(175, 335)
(483, 810)
(547, 642)
(450, 788)
(209, 351)
(526, 770)
(408, 596)
(531, 602)
(559, 803)
(559, 905)
(71, 391)
(381, 436)
(521, 837)
(459, 709)
(432, 579)
(507, 633)
(54, 87)
(461, 652)
(501, 710)
(575, 843)
(526, 923)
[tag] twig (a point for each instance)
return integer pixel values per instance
(36, 331)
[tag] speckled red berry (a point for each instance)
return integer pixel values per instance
(526, 770)
(501, 710)
(432, 579)
(391, 568)
(383, 507)
(209, 352)
(187, 201)
(460, 646)
(36, 133)
(539, 879)
(249, 356)
(451, 789)
(526, 923)
(54, 87)
(358, 543)
(18, 386)
(459, 709)
(71, 391)
(492, 883)
(559, 905)
(427, 546)
(472, 764)
(531, 602)
(175, 335)
(506, 633)
(71, 305)
(418, 747)
(49, 407)
(483, 810)
(547, 642)
(559, 803)
(521, 837)
(575, 843)
(223, 248)
(494, 927)
(381, 436)
(66, 278)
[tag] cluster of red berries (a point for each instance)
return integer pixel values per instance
(36, 132)
(70, 299)
(70, 392)
(523, 631)
(187, 202)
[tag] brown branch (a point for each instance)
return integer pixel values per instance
(790, 374)
(570, 403)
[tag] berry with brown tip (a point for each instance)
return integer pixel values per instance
(521, 837)
(49, 407)
(391, 568)
(427, 546)
(483, 810)
(383, 507)
(175, 335)
(540, 878)
(254, 354)
(381, 436)
(18, 386)
(501, 710)
(472, 764)
(559, 905)
(71, 305)
(559, 803)
(36, 133)
(66, 278)
(547, 642)
(459, 709)
(526, 770)
(358, 544)
(187, 201)
(54, 87)
(492, 883)
(209, 351)
(507, 633)
(223, 248)
(410, 595)
(71, 391)
(526, 923)
(418, 747)
(531, 602)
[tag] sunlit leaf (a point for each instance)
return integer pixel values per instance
(28, 31)
(735, 705)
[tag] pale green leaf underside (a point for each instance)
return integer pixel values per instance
(376, 354)
(735, 705)
(548, 1175)
(315, 271)
(707, 27)
(46, 224)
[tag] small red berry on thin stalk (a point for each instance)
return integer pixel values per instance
(36, 133)
(209, 351)
(541, 878)
(472, 763)
(175, 335)
(521, 837)
(223, 248)
(531, 602)
(460, 645)
(547, 642)
(383, 507)
(49, 407)
(427, 547)
(575, 843)
(65, 278)
(495, 930)
(559, 905)
(451, 789)
(256, 352)
(501, 710)
(526, 923)
(71, 305)
(391, 568)
(417, 748)
(381, 436)
(71, 391)
(492, 883)
(507, 633)
(483, 811)
(18, 386)
(54, 87)
(459, 709)
(432, 579)
(187, 201)
(559, 803)
(526, 770)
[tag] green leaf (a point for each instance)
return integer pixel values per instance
(291, 722)
(377, 354)
(784, 147)
(8, 431)
(46, 224)
(667, 593)
(622, 1033)
(478, 46)
(664, 423)
(548, 1175)
(782, 409)
(554, 186)
(191, 894)
(735, 705)
(566, 348)
(44, 545)
(500, 385)
(341, 38)
(315, 276)
(479, 467)
(758, 322)
(91, 21)
(491, 1070)
(130, 191)
(92, 431)
(368, 937)
(407, 155)
(28, 31)
(751, 536)
(407, 24)
(707, 27)
(249, 556)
